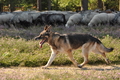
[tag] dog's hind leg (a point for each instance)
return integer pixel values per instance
(103, 54)
(71, 58)
(52, 57)
(106, 59)
(85, 55)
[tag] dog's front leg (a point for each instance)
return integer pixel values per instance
(52, 57)
(71, 58)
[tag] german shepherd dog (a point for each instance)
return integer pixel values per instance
(69, 42)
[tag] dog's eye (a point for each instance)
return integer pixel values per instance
(47, 33)
(41, 34)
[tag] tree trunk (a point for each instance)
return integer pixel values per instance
(1, 7)
(39, 7)
(100, 4)
(49, 4)
(84, 5)
(12, 6)
(119, 5)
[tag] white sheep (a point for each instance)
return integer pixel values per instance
(99, 18)
(111, 16)
(68, 14)
(88, 16)
(34, 15)
(22, 16)
(116, 18)
(25, 17)
(73, 20)
(118, 21)
(5, 18)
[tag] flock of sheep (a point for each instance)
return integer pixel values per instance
(29, 18)
(94, 18)
(66, 18)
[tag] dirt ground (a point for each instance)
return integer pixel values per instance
(86, 67)
(27, 73)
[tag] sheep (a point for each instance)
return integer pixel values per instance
(116, 20)
(5, 18)
(15, 18)
(99, 18)
(34, 15)
(73, 20)
(53, 19)
(66, 13)
(22, 18)
(41, 19)
(88, 16)
(50, 19)
(34, 18)
(25, 17)
(111, 16)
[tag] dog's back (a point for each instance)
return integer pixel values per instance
(77, 40)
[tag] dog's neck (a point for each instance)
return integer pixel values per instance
(53, 38)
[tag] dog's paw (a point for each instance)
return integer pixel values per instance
(108, 62)
(80, 66)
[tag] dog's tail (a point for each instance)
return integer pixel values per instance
(103, 48)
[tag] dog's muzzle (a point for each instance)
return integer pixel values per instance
(37, 38)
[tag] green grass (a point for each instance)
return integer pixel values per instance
(17, 47)
(21, 52)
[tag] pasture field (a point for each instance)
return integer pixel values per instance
(21, 57)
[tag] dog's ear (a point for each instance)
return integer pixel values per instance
(47, 28)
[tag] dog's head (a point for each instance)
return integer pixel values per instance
(44, 35)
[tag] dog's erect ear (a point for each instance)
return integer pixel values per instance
(47, 28)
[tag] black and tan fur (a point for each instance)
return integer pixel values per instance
(69, 42)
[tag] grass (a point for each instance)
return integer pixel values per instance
(17, 49)
(21, 57)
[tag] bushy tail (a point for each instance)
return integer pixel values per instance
(106, 49)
